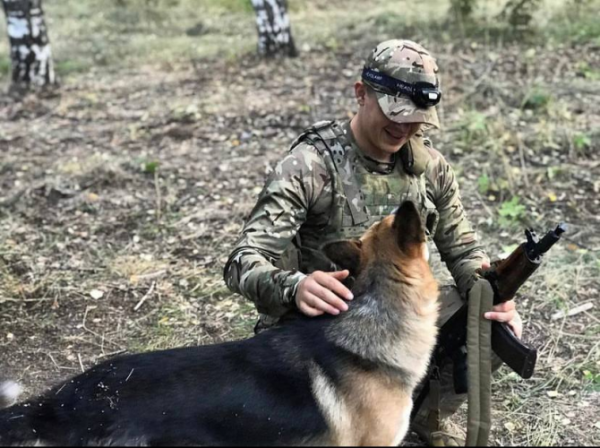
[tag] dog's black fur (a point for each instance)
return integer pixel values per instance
(291, 385)
(251, 392)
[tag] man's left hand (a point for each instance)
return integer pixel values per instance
(506, 312)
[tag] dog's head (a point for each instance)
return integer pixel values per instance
(398, 239)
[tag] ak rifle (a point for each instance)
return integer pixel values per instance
(506, 276)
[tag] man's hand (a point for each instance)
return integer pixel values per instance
(322, 292)
(505, 312)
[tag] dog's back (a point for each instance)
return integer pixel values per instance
(311, 381)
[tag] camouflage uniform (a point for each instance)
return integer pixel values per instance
(327, 189)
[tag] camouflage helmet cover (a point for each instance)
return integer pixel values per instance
(409, 62)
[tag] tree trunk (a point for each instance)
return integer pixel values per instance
(30, 53)
(274, 32)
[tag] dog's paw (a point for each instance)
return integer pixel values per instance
(9, 392)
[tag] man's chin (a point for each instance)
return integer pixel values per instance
(393, 148)
(392, 142)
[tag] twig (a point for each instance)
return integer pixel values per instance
(151, 275)
(572, 311)
(80, 362)
(105, 355)
(87, 309)
(141, 302)
(523, 166)
(487, 209)
(158, 195)
(56, 364)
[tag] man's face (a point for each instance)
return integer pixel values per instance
(380, 133)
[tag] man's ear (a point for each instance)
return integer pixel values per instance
(345, 253)
(360, 92)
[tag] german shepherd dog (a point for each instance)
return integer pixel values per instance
(344, 380)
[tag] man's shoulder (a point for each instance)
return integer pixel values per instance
(434, 154)
(316, 134)
(305, 158)
(437, 161)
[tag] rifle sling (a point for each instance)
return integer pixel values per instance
(479, 362)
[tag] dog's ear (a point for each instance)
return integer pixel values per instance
(408, 227)
(345, 253)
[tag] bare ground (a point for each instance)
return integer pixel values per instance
(122, 196)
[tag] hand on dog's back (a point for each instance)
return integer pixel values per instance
(323, 292)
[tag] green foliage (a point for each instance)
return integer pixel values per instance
(582, 142)
(232, 5)
(66, 67)
(554, 172)
(4, 65)
(474, 128)
(593, 380)
(153, 6)
(577, 22)
(186, 114)
(584, 69)
(150, 167)
(537, 99)
(483, 184)
(511, 212)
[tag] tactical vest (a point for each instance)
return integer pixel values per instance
(361, 198)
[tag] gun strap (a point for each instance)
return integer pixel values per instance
(479, 352)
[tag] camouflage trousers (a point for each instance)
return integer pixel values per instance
(449, 402)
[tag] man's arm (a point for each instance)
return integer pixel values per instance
(455, 238)
(282, 207)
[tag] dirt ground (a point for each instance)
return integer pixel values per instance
(122, 195)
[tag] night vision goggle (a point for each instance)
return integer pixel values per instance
(423, 94)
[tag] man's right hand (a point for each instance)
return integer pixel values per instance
(323, 292)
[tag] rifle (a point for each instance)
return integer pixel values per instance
(506, 277)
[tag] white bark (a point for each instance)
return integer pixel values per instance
(31, 53)
(274, 30)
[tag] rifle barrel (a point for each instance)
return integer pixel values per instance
(548, 241)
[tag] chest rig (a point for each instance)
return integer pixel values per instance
(362, 197)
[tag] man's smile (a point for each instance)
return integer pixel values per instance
(396, 134)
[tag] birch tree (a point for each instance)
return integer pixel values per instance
(274, 31)
(30, 53)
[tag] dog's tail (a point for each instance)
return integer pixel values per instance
(9, 392)
(15, 428)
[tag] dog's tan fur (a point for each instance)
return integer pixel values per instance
(382, 398)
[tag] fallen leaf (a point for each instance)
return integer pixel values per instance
(96, 294)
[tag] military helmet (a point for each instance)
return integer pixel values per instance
(404, 77)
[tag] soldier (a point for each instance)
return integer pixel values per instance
(341, 177)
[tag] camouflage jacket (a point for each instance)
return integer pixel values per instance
(326, 189)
